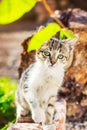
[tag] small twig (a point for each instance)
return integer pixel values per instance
(51, 12)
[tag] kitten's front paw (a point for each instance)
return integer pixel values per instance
(49, 127)
(26, 119)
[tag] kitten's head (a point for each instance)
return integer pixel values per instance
(56, 52)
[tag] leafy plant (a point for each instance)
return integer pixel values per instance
(7, 105)
(43, 35)
(46, 33)
(7, 125)
(12, 10)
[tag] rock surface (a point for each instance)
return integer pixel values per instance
(59, 120)
(32, 126)
(25, 126)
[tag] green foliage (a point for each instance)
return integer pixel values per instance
(66, 33)
(7, 94)
(46, 33)
(7, 125)
(43, 35)
(11, 10)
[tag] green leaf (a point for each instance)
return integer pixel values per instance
(11, 10)
(68, 33)
(61, 36)
(7, 88)
(43, 35)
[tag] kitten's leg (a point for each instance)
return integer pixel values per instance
(49, 125)
(23, 109)
(21, 114)
(50, 110)
(38, 113)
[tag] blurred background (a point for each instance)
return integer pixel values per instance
(11, 37)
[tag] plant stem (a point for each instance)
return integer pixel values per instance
(51, 12)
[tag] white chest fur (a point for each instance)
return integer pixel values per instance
(45, 81)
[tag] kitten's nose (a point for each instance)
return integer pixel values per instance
(53, 62)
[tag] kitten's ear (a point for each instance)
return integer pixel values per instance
(72, 42)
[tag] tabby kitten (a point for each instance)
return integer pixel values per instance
(41, 81)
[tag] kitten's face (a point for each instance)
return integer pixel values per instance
(56, 52)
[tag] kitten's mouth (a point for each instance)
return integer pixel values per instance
(52, 65)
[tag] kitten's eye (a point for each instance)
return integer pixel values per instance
(60, 56)
(46, 53)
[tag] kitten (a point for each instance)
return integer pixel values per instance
(41, 81)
